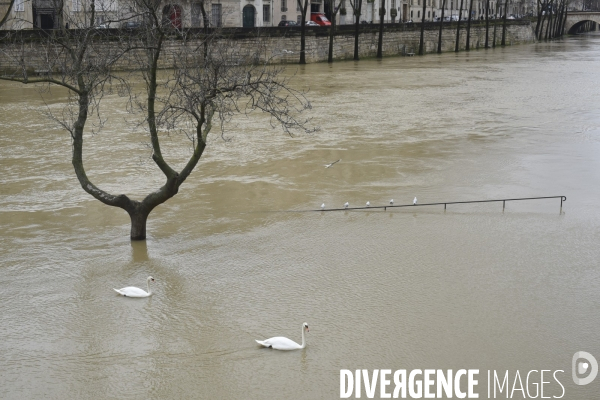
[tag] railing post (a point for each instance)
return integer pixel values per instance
(503, 205)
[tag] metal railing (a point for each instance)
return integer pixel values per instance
(445, 204)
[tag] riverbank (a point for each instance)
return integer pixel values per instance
(401, 40)
(282, 45)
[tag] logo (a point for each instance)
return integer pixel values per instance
(580, 368)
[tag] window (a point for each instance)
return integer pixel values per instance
(283, 5)
(411, 14)
(19, 5)
(196, 15)
(299, 19)
(283, 17)
(393, 3)
(297, 6)
(215, 15)
(76, 5)
(419, 14)
(267, 13)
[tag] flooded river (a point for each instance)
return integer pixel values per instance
(470, 287)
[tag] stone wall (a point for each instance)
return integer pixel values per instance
(284, 45)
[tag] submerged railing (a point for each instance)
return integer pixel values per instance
(445, 204)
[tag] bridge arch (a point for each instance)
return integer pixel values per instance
(577, 20)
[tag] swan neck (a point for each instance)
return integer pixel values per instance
(148, 285)
(303, 340)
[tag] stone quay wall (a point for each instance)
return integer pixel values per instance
(282, 45)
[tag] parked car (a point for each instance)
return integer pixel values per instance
(131, 25)
(311, 23)
(320, 19)
(287, 23)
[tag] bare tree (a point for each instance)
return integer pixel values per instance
(334, 12)
(468, 46)
(422, 38)
(458, 27)
(357, 9)
(439, 49)
(487, 24)
(199, 90)
(303, 5)
(503, 42)
(380, 39)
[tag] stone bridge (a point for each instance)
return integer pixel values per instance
(577, 18)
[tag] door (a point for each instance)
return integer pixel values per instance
(404, 12)
(248, 16)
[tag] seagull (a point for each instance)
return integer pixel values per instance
(368, 203)
(323, 206)
(414, 201)
(329, 165)
(392, 202)
(287, 51)
(346, 205)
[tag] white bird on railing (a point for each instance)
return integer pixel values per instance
(323, 206)
(346, 205)
(414, 201)
(368, 203)
(392, 202)
(329, 165)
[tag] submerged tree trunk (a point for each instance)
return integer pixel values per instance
(495, 23)
(458, 27)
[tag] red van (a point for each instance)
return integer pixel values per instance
(320, 19)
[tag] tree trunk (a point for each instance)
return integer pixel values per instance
(458, 27)
(138, 216)
(468, 47)
(357, 12)
(495, 23)
(503, 42)
(331, 30)
(487, 24)
(380, 39)
(421, 41)
(439, 49)
(303, 8)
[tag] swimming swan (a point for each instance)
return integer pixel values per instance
(283, 343)
(131, 291)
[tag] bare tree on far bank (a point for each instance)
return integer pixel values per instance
(199, 93)
(468, 46)
(334, 12)
(456, 48)
(439, 48)
(503, 41)
(303, 5)
(356, 11)
(422, 39)
(487, 24)
(380, 38)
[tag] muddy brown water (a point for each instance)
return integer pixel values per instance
(469, 287)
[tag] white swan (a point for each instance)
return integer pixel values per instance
(132, 291)
(283, 343)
